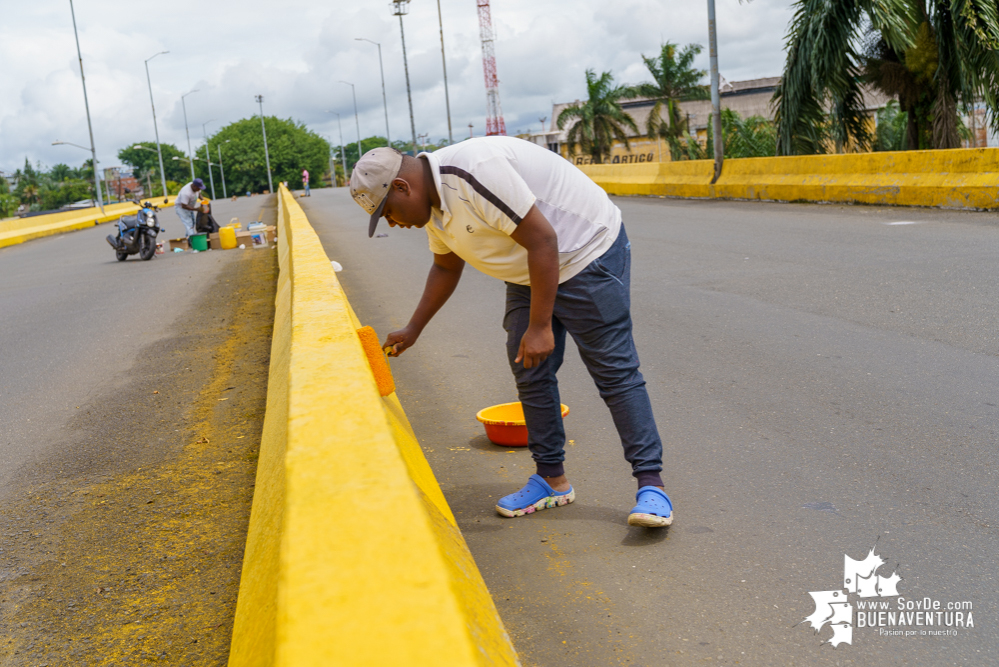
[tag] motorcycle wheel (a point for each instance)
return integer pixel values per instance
(147, 247)
(122, 255)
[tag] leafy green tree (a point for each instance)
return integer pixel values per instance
(64, 192)
(890, 133)
(935, 55)
(292, 147)
(350, 149)
(145, 161)
(674, 80)
(61, 172)
(8, 205)
(754, 136)
(598, 121)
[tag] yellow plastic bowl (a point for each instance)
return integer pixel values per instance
(505, 424)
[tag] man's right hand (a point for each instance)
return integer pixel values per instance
(400, 341)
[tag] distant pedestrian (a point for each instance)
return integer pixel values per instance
(305, 182)
(186, 205)
(528, 217)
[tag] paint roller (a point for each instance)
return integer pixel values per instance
(376, 359)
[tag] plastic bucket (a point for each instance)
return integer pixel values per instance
(227, 238)
(199, 241)
(505, 423)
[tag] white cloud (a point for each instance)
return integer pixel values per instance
(295, 57)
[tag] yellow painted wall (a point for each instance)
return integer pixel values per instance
(640, 150)
(353, 556)
(19, 230)
(962, 178)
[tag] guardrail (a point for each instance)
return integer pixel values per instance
(353, 556)
(958, 178)
(19, 230)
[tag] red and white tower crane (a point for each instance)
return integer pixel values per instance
(494, 112)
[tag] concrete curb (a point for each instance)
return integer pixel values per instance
(19, 230)
(958, 178)
(353, 556)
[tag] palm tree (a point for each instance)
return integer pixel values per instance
(936, 54)
(674, 80)
(599, 120)
(29, 195)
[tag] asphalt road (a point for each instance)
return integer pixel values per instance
(73, 319)
(825, 380)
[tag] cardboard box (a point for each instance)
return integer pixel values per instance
(179, 243)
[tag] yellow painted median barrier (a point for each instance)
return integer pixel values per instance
(958, 178)
(353, 556)
(19, 230)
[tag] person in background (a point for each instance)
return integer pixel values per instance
(305, 182)
(186, 205)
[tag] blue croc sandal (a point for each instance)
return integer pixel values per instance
(654, 508)
(534, 497)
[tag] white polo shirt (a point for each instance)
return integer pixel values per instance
(487, 185)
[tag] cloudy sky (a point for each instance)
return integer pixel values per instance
(295, 57)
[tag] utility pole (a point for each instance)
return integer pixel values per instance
(357, 123)
(267, 157)
(86, 103)
(388, 139)
(221, 168)
(156, 128)
(343, 159)
(208, 156)
(399, 8)
(447, 99)
(190, 154)
(719, 139)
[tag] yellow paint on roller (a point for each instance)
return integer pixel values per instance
(958, 178)
(376, 359)
(353, 556)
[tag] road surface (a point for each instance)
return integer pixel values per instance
(825, 379)
(131, 402)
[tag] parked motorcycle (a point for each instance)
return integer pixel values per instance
(136, 234)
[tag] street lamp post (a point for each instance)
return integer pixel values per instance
(188, 132)
(329, 146)
(399, 8)
(267, 156)
(140, 147)
(447, 99)
(719, 139)
(382, 70)
(221, 168)
(357, 122)
(343, 159)
(86, 104)
(208, 156)
(156, 128)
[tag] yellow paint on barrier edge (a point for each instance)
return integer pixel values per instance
(353, 557)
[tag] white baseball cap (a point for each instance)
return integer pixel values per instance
(371, 180)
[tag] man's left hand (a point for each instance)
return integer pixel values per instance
(537, 345)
